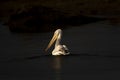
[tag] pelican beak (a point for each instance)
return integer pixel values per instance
(52, 41)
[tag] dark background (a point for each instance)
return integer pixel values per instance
(91, 30)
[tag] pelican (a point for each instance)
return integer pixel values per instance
(58, 49)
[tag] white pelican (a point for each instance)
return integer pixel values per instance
(59, 49)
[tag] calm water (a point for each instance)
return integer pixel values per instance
(95, 51)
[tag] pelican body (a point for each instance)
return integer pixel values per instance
(58, 49)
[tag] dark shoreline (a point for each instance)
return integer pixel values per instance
(39, 16)
(43, 19)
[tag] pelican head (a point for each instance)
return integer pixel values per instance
(57, 34)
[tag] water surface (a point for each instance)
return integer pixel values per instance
(94, 54)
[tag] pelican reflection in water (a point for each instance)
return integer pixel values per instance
(59, 49)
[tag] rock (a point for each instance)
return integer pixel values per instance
(44, 19)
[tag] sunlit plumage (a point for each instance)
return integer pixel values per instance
(59, 49)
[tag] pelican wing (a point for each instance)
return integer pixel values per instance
(66, 49)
